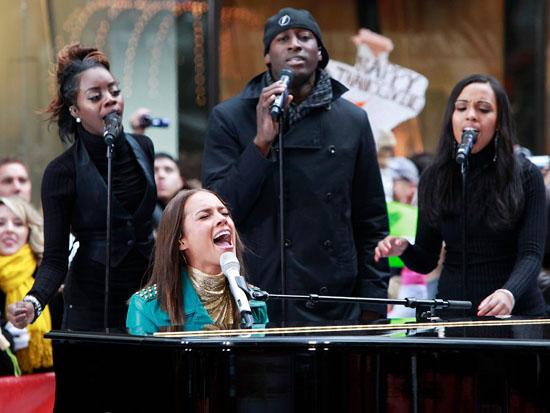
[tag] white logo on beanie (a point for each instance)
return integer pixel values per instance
(283, 21)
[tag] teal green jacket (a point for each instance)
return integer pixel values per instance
(146, 317)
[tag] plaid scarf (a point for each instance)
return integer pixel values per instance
(320, 96)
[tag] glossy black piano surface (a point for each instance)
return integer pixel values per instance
(460, 366)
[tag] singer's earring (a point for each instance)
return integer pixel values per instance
(77, 120)
(180, 242)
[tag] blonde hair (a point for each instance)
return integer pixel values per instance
(32, 219)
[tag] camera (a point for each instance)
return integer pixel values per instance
(541, 161)
(146, 121)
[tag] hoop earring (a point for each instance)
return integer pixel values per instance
(496, 146)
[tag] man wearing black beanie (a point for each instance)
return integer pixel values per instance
(334, 207)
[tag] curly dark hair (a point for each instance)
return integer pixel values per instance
(72, 60)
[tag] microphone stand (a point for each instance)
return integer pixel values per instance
(110, 148)
(464, 172)
(248, 319)
(424, 308)
(282, 123)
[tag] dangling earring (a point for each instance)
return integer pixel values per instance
(77, 120)
(496, 147)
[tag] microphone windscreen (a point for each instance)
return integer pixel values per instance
(112, 119)
(285, 71)
(469, 133)
(228, 260)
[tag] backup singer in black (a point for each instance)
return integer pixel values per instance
(74, 195)
(506, 220)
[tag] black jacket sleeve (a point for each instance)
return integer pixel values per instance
(57, 203)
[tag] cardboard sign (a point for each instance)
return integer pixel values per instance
(391, 94)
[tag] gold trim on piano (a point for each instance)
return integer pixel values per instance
(334, 329)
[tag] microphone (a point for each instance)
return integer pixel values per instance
(469, 137)
(277, 107)
(461, 305)
(112, 126)
(231, 269)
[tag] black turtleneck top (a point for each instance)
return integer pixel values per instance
(58, 200)
(128, 183)
(507, 258)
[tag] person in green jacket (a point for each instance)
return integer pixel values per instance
(187, 286)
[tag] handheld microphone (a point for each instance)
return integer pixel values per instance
(112, 126)
(231, 269)
(469, 138)
(276, 109)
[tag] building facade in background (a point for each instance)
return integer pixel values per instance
(180, 58)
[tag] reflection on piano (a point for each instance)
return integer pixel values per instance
(488, 364)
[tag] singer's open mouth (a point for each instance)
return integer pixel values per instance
(114, 111)
(223, 239)
(296, 59)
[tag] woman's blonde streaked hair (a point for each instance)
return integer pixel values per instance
(32, 219)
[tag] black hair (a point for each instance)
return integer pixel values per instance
(160, 155)
(72, 60)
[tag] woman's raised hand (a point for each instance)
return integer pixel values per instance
(390, 246)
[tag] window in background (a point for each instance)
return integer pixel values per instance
(526, 43)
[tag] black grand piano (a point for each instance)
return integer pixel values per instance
(485, 365)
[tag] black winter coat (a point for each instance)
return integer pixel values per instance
(335, 211)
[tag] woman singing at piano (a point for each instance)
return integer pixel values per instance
(187, 286)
